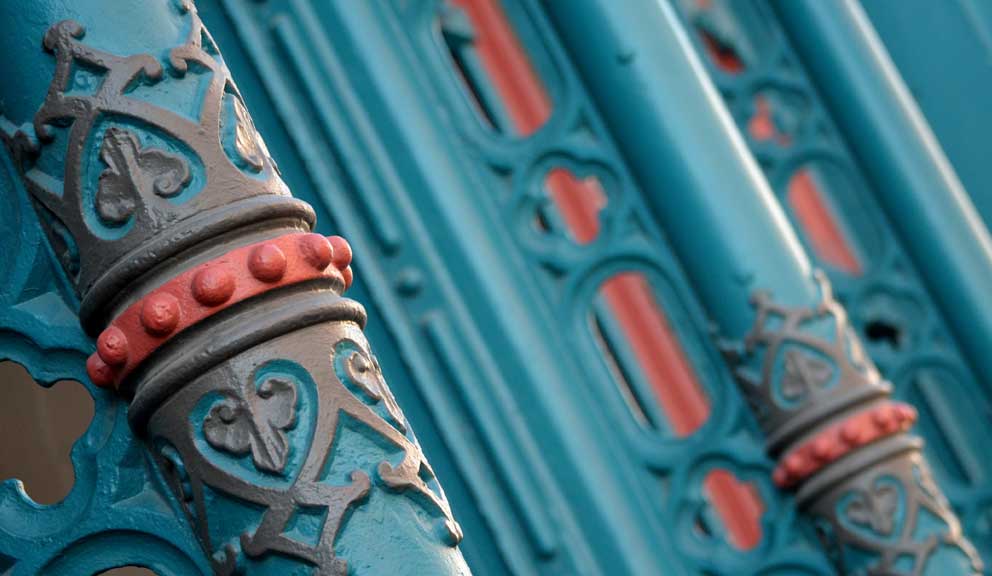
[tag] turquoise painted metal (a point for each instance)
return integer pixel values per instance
(118, 513)
(636, 500)
(750, 272)
(527, 209)
(677, 135)
(140, 82)
(778, 109)
(914, 182)
(942, 51)
(482, 336)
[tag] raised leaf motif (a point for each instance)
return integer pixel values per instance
(134, 172)
(804, 374)
(255, 422)
(246, 138)
(875, 509)
(364, 372)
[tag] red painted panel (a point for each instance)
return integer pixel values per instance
(633, 304)
(507, 65)
(578, 201)
(807, 202)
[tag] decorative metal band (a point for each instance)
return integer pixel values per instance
(209, 288)
(166, 170)
(220, 316)
(843, 446)
(270, 440)
(799, 367)
(838, 440)
(879, 511)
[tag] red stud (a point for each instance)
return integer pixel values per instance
(883, 417)
(822, 448)
(316, 250)
(795, 464)
(907, 413)
(213, 285)
(160, 313)
(851, 433)
(111, 346)
(342, 252)
(98, 371)
(348, 277)
(267, 263)
(780, 477)
(894, 422)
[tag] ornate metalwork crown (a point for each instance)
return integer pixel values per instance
(147, 147)
(799, 366)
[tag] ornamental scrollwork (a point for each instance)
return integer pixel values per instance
(270, 437)
(141, 160)
(804, 375)
(135, 172)
(887, 515)
(249, 145)
(363, 374)
(155, 157)
(254, 420)
(874, 508)
(793, 358)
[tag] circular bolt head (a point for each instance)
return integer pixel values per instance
(795, 463)
(160, 314)
(894, 421)
(822, 448)
(780, 477)
(213, 285)
(906, 413)
(98, 371)
(851, 433)
(342, 252)
(111, 346)
(883, 417)
(316, 250)
(348, 276)
(267, 263)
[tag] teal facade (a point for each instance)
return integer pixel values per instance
(498, 304)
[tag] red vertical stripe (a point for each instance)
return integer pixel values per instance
(507, 65)
(829, 243)
(633, 304)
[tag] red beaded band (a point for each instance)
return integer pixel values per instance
(209, 288)
(840, 439)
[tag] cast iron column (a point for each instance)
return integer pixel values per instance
(216, 310)
(841, 444)
(913, 179)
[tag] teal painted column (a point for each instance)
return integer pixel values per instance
(840, 442)
(943, 51)
(676, 135)
(824, 190)
(556, 486)
(914, 181)
(514, 351)
(217, 314)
